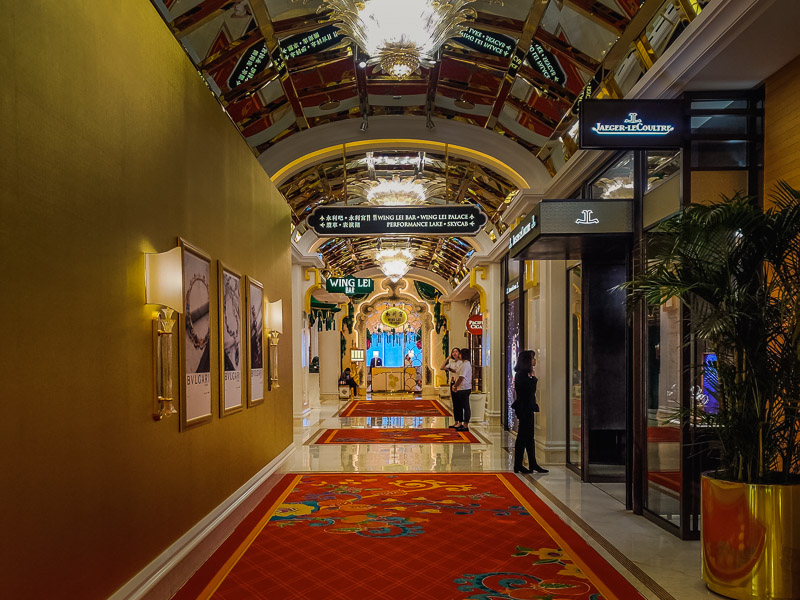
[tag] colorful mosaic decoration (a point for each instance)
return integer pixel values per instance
(392, 408)
(423, 536)
(396, 436)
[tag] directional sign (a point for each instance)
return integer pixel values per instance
(254, 60)
(352, 286)
(487, 42)
(547, 64)
(342, 221)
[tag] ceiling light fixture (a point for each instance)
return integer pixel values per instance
(394, 262)
(396, 192)
(465, 104)
(400, 36)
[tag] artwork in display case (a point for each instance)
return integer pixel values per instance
(255, 345)
(232, 388)
(196, 338)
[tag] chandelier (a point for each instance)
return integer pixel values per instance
(396, 192)
(395, 262)
(400, 36)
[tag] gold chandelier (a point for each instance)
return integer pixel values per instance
(400, 35)
(394, 262)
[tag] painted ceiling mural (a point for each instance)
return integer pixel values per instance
(279, 67)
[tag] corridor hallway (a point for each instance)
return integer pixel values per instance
(397, 514)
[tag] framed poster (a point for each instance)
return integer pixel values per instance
(196, 338)
(231, 356)
(255, 342)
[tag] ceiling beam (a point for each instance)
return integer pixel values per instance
(301, 24)
(534, 114)
(601, 14)
(261, 14)
(249, 87)
(198, 16)
(233, 50)
(497, 24)
(535, 16)
(554, 91)
(430, 96)
(567, 51)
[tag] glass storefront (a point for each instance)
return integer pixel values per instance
(574, 365)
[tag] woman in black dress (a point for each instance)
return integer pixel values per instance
(525, 406)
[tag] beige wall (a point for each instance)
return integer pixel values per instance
(782, 127)
(111, 145)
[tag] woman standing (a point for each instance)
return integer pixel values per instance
(462, 386)
(451, 366)
(525, 406)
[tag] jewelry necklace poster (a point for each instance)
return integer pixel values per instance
(197, 336)
(256, 346)
(232, 348)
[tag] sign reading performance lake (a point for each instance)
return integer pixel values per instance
(452, 219)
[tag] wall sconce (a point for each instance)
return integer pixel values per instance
(274, 325)
(163, 281)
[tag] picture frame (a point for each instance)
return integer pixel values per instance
(232, 386)
(255, 342)
(196, 337)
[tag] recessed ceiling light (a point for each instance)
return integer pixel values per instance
(397, 97)
(465, 104)
(329, 105)
(363, 64)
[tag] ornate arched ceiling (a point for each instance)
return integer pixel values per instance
(279, 68)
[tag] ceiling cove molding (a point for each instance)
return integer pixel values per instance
(413, 273)
(405, 132)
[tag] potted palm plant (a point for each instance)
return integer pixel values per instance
(737, 268)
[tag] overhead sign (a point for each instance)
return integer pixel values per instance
(254, 60)
(310, 43)
(547, 64)
(475, 325)
(573, 218)
(341, 221)
(631, 124)
(487, 42)
(352, 286)
(394, 317)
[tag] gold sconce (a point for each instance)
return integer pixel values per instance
(274, 326)
(163, 278)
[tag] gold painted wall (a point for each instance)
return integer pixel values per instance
(782, 127)
(111, 145)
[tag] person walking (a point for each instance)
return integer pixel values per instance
(525, 406)
(451, 366)
(461, 388)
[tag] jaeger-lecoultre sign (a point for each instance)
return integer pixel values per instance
(631, 124)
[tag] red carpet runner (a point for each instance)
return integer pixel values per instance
(421, 536)
(396, 436)
(394, 408)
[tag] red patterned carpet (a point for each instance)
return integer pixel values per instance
(396, 436)
(395, 408)
(422, 536)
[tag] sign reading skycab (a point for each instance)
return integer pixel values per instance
(631, 124)
(454, 219)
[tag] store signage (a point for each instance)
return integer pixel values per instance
(631, 124)
(522, 231)
(352, 286)
(394, 317)
(342, 221)
(310, 43)
(254, 60)
(512, 287)
(488, 43)
(572, 218)
(547, 64)
(475, 325)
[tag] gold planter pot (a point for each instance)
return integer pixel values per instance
(751, 539)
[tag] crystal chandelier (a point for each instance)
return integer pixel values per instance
(400, 35)
(395, 262)
(396, 192)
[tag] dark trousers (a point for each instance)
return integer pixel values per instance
(525, 442)
(461, 409)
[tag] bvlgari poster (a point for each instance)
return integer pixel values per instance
(255, 330)
(232, 347)
(196, 337)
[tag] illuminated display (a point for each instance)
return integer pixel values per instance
(352, 286)
(489, 43)
(547, 64)
(339, 221)
(254, 60)
(631, 124)
(394, 317)
(309, 43)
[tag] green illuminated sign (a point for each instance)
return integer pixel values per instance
(352, 286)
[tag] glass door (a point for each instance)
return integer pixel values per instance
(575, 367)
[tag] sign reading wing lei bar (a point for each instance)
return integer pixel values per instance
(343, 221)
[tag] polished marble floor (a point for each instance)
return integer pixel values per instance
(660, 565)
